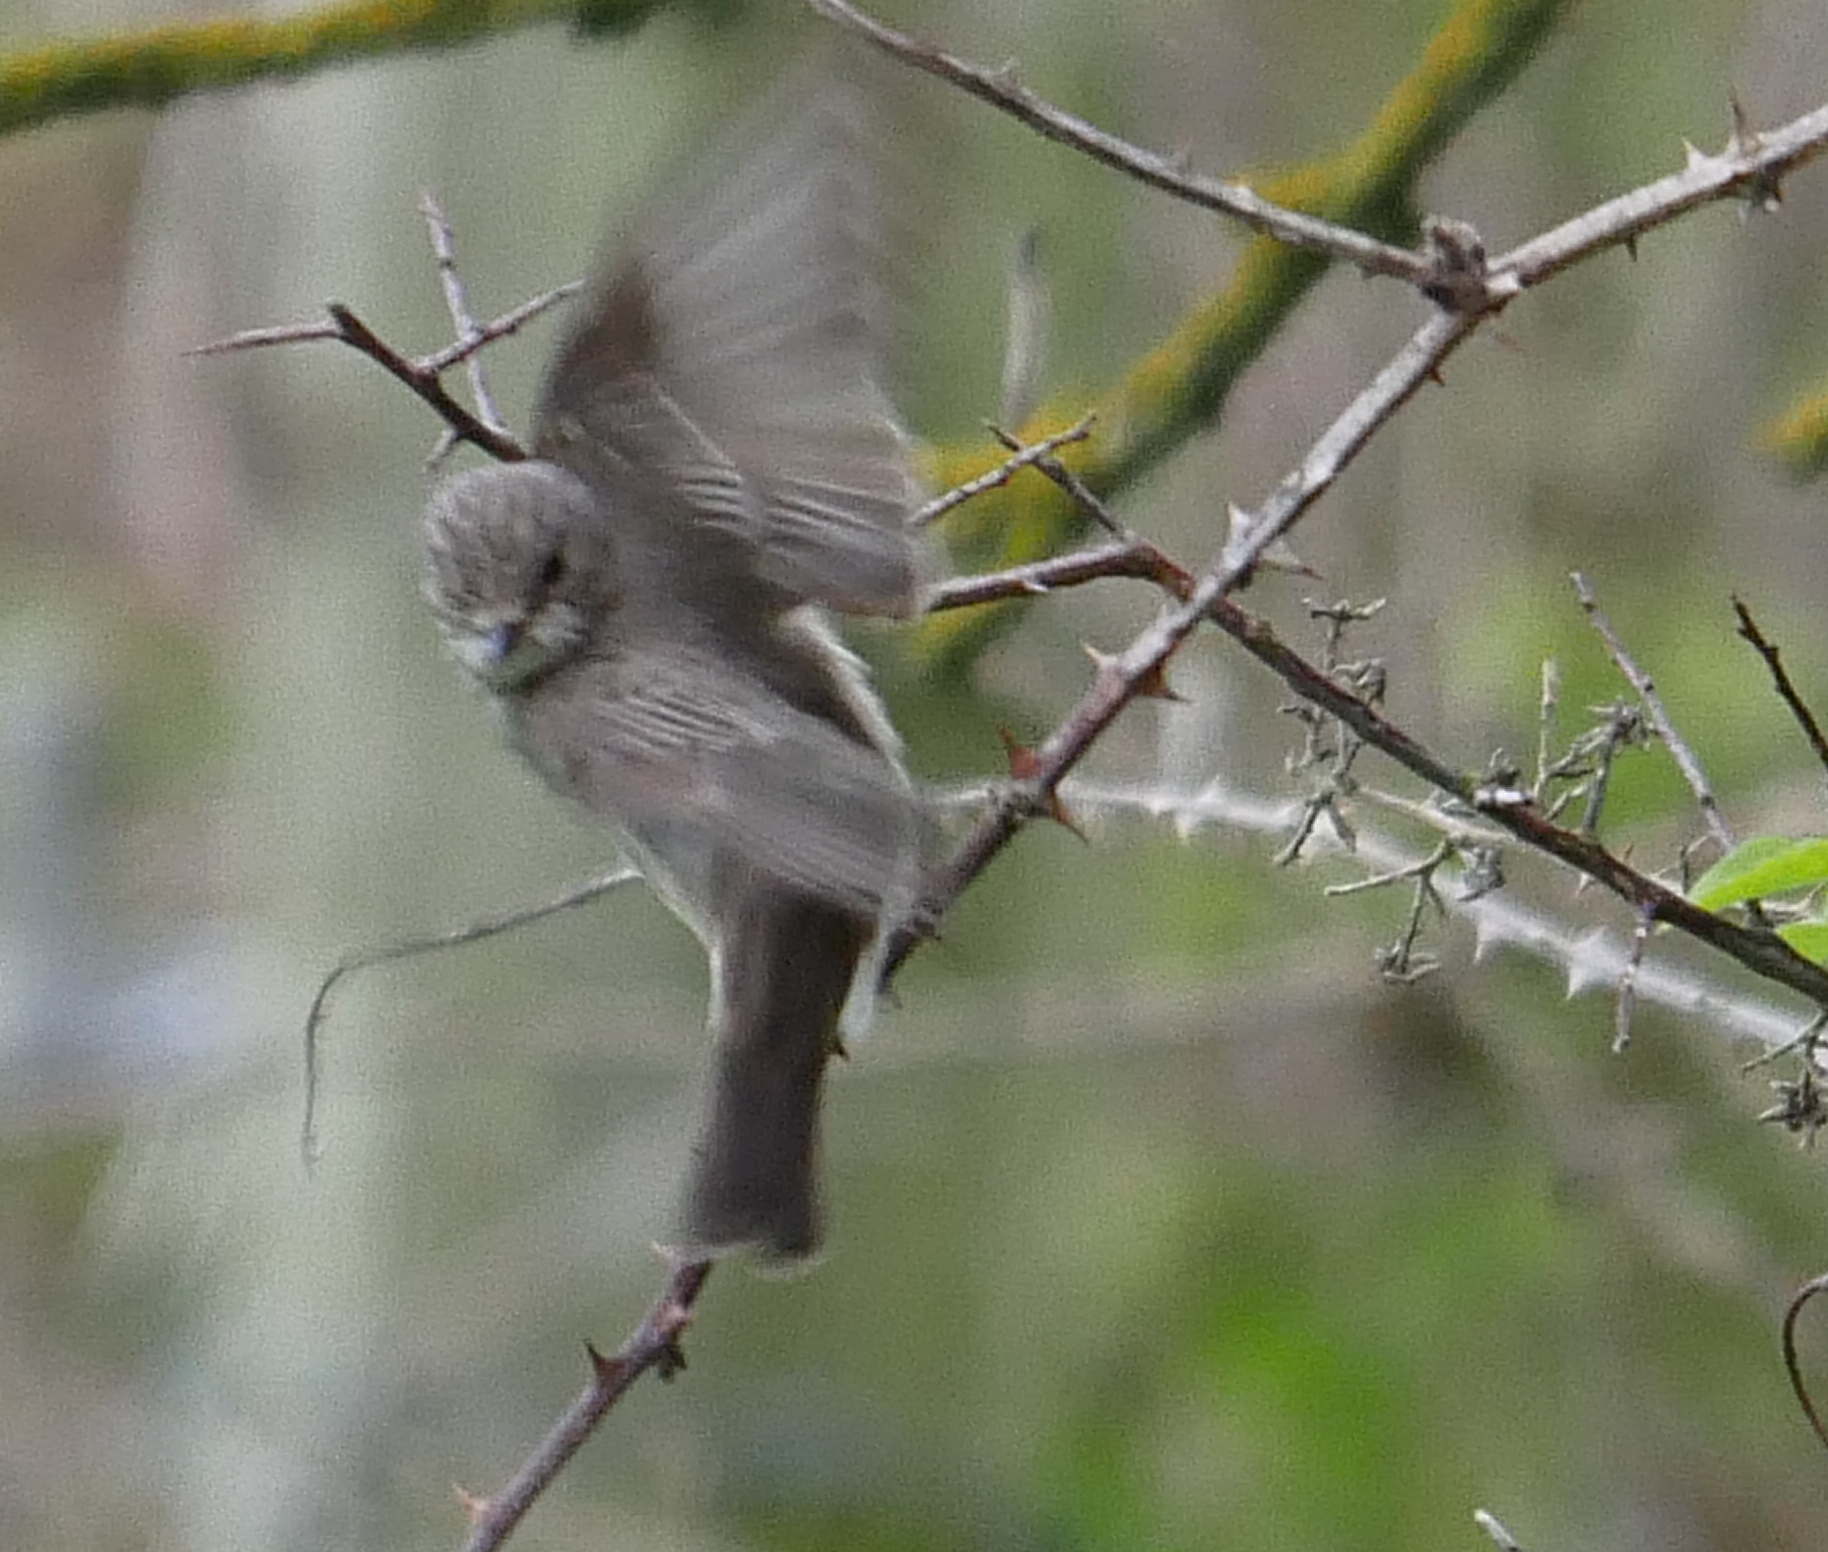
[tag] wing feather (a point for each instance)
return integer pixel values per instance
(734, 354)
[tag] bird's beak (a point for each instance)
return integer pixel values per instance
(499, 644)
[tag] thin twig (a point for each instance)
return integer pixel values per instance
(1002, 474)
(1792, 1365)
(421, 376)
(1623, 729)
(1780, 678)
(464, 426)
(1685, 757)
(1422, 867)
(1625, 1005)
(653, 1345)
(1546, 713)
(276, 334)
(1761, 952)
(1082, 494)
(1749, 165)
(1001, 90)
(1136, 559)
(467, 330)
(1805, 1040)
(1400, 963)
(1802, 1104)
(408, 948)
(510, 322)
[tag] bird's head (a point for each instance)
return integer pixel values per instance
(517, 569)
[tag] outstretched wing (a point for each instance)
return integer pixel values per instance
(734, 352)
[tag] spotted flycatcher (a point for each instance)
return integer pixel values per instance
(645, 600)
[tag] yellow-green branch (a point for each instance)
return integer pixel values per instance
(148, 69)
(1799, 437)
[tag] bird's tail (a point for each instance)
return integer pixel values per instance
(784, 968)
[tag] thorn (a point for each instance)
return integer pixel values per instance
(1591, 963)
(1023, 764)
(1063, 816)
(1631, 247)
(474, 1505)
(1490, 1524)
(605, 1369)
(1237, 522)
(1152, 685)
(1104, 662)
(1692, 158)
(1278, 557)
(1741, 137)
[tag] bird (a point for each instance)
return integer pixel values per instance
(648, 602)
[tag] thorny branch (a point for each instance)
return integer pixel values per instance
(420, 377)
(1750, 164)
(1509, 808)
(1451, 270)
(1134, 558)
(424, 375)
(654, 1345)
(1451, 267)
(1001, 90)
(1120, 678)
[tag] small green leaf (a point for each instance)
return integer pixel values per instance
(1808, 938)
(1766, 865)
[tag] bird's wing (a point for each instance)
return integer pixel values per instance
(737, 344)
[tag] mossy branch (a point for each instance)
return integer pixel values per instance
(1798, 438)
(55, 80)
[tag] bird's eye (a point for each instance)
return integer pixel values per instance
(552, 571)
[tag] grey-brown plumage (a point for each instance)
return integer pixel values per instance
(715, 464)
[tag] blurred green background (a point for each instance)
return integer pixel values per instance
(1160, 1222)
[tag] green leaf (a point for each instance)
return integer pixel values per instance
(1808, 938)
(1766, 865)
